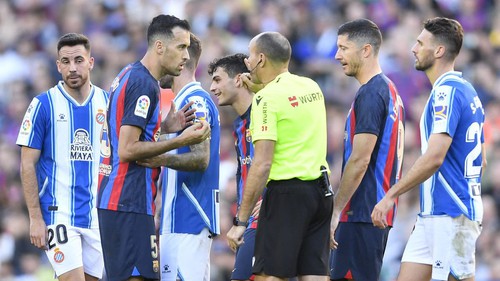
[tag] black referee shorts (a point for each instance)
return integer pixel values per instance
(294, 230)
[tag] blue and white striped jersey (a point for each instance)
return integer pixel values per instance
(68, 136)
(191, 199)
(454, 108)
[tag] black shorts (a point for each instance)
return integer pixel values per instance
(129, 244)
(294, 230)
(359, 253)
(244, 256)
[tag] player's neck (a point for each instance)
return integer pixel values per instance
(439, 69)
(368, 72)
(182, 80)
(81, 94)
(243, 103)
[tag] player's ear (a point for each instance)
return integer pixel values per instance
(159, 47)
(439, 51)
(91, 63)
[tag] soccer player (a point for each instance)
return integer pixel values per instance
(60, 141)
(227, 86)
(127, 190)
(373, 154)
(289, 135)
(442, 244)
(190, 197)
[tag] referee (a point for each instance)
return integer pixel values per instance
(289, 135)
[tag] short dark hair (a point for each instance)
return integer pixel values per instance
(232, 65)
(362, 31)
(73, 39)
(162, 25)
(275, 46)
(448, 32)
(194, 51)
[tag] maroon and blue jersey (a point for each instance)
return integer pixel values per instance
(244, 152)
(134, 101)
(377, 109)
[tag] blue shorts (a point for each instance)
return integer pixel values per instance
(359, 253)
(244, 257)
(129, 244)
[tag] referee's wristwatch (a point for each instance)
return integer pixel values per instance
(237, 222)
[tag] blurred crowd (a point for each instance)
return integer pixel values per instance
(29, 30)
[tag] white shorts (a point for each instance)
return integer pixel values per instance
(73, 247)
(185, 256)
(446, 243)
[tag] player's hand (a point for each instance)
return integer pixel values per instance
(245, 80)
(333, 227)
(178, 120)
(196, 133)
(235, 237)
(38, 233)
(379, 213)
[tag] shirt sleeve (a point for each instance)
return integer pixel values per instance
(446, 110)
(264, 118)
(32, 131)
(140, 102)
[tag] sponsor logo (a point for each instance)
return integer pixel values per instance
(264, 117)
(142, 106)
(156, 136)
(58, 256)
(311, 97)
(440, 112)
(26, 125)
(293, 101)
(166, 269)
(29, 108)
(100, 117)
(115, 84)
(438, 264)
(81, 148)
(245, 161)
(105, 146)
(441, 96)
(258, 99)
(104, 169)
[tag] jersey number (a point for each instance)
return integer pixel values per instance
(154, 247)
(473, 135)
(59, 233)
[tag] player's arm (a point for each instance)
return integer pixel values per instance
(131, 149)
(196, 159)
(354, 169)
(38, 228)
(256, 181)
(425, 166)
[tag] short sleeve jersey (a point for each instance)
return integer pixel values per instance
(191, 198)
(68, 136)
(290, 111)
(134, 101)
(454, 109)
(377, 109)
